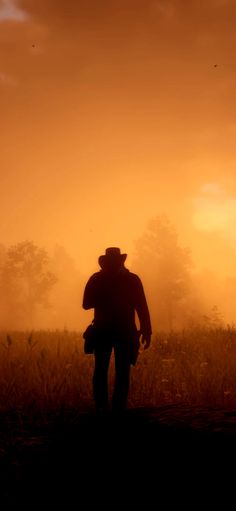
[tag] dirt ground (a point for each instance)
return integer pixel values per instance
(74, 454)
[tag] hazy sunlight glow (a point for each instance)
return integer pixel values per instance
(215, 211)
(10, 12)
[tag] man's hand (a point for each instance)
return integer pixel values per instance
(145, 340)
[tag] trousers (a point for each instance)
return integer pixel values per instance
(102, 354)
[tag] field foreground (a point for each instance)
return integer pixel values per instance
(178, 433)
(76, 455)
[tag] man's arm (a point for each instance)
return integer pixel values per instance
(89, 298)
(143, 314)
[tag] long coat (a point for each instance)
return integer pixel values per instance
(116, 297)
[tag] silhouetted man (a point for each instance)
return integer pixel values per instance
(115, 294)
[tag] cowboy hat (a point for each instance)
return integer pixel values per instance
(112, 254)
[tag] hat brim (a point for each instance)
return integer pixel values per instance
(103, 259)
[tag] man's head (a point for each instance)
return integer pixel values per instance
(112, 260)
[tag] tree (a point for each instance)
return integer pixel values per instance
(67, 294)
(2, 255)
(165, 266)
(26, 281)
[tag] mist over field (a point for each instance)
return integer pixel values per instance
(43, 290)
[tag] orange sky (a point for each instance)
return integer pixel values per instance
(114, 112)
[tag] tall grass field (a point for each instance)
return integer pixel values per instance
(48, 371)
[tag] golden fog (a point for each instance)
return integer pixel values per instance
(114, 114)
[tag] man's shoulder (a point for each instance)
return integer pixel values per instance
(95, 276)
(134, 277)
(100, 275)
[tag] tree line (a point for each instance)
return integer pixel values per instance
(32, 282)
